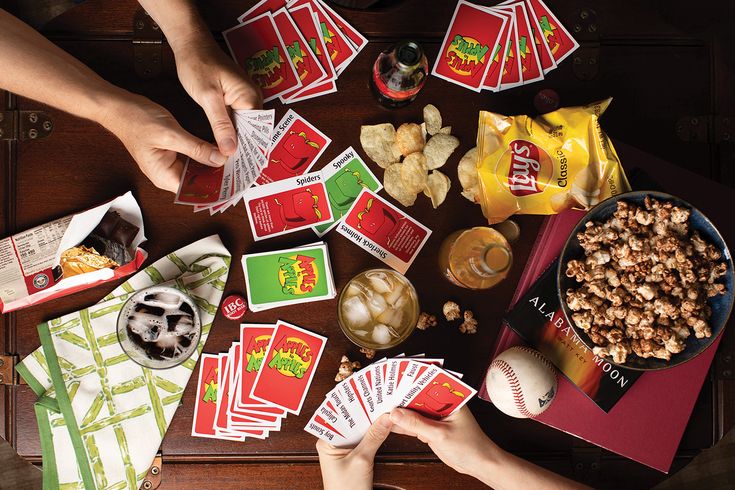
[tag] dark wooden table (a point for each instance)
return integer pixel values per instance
(666, 66)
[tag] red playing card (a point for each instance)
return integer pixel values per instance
(384, 231)
(258, 48)
(530, 63)
(437, 394)
(309, 70)
(464, 57)
(254, 340)
(262, 7)
(205, 408)
(296, 146)
(200, 184)
(306, 21)
(511, 76)
(357, 39)
(287, 205)
(560, 42)
(544, 53)
(492, 79)
(340, 51)
(318, 90)
(288, 367)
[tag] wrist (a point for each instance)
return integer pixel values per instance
(489, 460)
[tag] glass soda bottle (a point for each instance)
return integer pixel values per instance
(475, 258)
(398, 74)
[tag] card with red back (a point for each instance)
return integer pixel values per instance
(243, 415)
(287, 206)
(288, 367)
(205, 408)
(544, 53)
(511, 76)
(200, 184)
(560, 42)
(529, 57)
(260, 8)
(254, 339)
(339, 49)
(296, 145)
(318, 90)
(436, 394)
(221, 427)
(358, 40)
(258, 48)
(492, 78)
(464, 57)
(308, 68)
(384, 231)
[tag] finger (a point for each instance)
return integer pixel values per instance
(224, 132)
(183, 142)
(168, 177)
(414, 423)
(400, 430)
(374, 438)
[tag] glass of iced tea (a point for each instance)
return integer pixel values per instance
(378, 309)
(159, 327)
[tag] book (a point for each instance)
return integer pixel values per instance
(538, 319)
(646, 424)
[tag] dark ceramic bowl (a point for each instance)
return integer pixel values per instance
(721, 305)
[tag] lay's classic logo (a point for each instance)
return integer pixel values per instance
(264, 67)
(466, 56)
(297, 274)
(527, 167)
(291, 357)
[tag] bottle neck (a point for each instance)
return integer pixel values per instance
(494, 259)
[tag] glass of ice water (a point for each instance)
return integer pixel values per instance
(378, 309)
(159, 327)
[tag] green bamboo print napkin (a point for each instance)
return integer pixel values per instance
(102, 417)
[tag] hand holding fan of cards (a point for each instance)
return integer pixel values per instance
(354, 404)
(501, 47)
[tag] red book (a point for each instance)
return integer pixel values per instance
(647, 423)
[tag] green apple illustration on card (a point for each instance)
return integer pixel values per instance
(345, 177)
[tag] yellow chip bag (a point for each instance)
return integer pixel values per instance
(545, 165)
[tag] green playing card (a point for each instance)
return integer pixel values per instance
(345, 177)
(291, 276)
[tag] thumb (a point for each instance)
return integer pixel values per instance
(197, 149)
(224, 132)
(414, 423)
(374, 438)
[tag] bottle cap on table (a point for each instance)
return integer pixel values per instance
(234, 307)
(546, 100)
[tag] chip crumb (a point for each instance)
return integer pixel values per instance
(346, 368)
(425, 321)
(369, 353)
(451, 311)
(469, 326)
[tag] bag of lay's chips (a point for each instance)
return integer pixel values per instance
(557, 161)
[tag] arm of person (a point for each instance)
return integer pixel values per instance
(207, 74)
(34, 67)
(461, 444)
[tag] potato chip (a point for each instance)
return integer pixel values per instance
(437, 187)
(433, 119)
(393, 183)
(467, 173)
(414, 172)
(438, 149)
(378, 143)
(409, 138)
(446, 130)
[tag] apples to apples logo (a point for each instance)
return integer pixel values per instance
(466, 56)
(297, 54)
(264, 67)
(255, 352)
(291, 357)
(297, 274)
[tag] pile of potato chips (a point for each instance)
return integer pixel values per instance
(409, 153)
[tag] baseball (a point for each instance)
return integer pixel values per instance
(521, 382)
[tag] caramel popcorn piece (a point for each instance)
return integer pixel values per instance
(469, 326)
(346, 368)
(369, 353)
(451, 311)
(425, 321)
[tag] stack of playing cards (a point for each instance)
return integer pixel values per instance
(247, 391)
(216, 189)
(501, 47)
(288, 277)
(415, 383)
(293, 49)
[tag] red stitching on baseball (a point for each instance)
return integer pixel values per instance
(515, 386)
(538, 356)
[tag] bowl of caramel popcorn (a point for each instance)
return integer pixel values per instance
(646, 280)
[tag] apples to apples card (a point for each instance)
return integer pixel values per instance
(295, 147)
(205, 408)
(384, 231)
(287, 205)
(464, 57)
(560, 42)
(258, 48)
(288, 367)
(437, 394)
(345, 177)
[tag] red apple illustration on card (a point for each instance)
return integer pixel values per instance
(440, 397)
(200, 184)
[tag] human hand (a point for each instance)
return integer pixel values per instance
(154, 139)
(457, 440)
(216, 83)
(353, 467)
